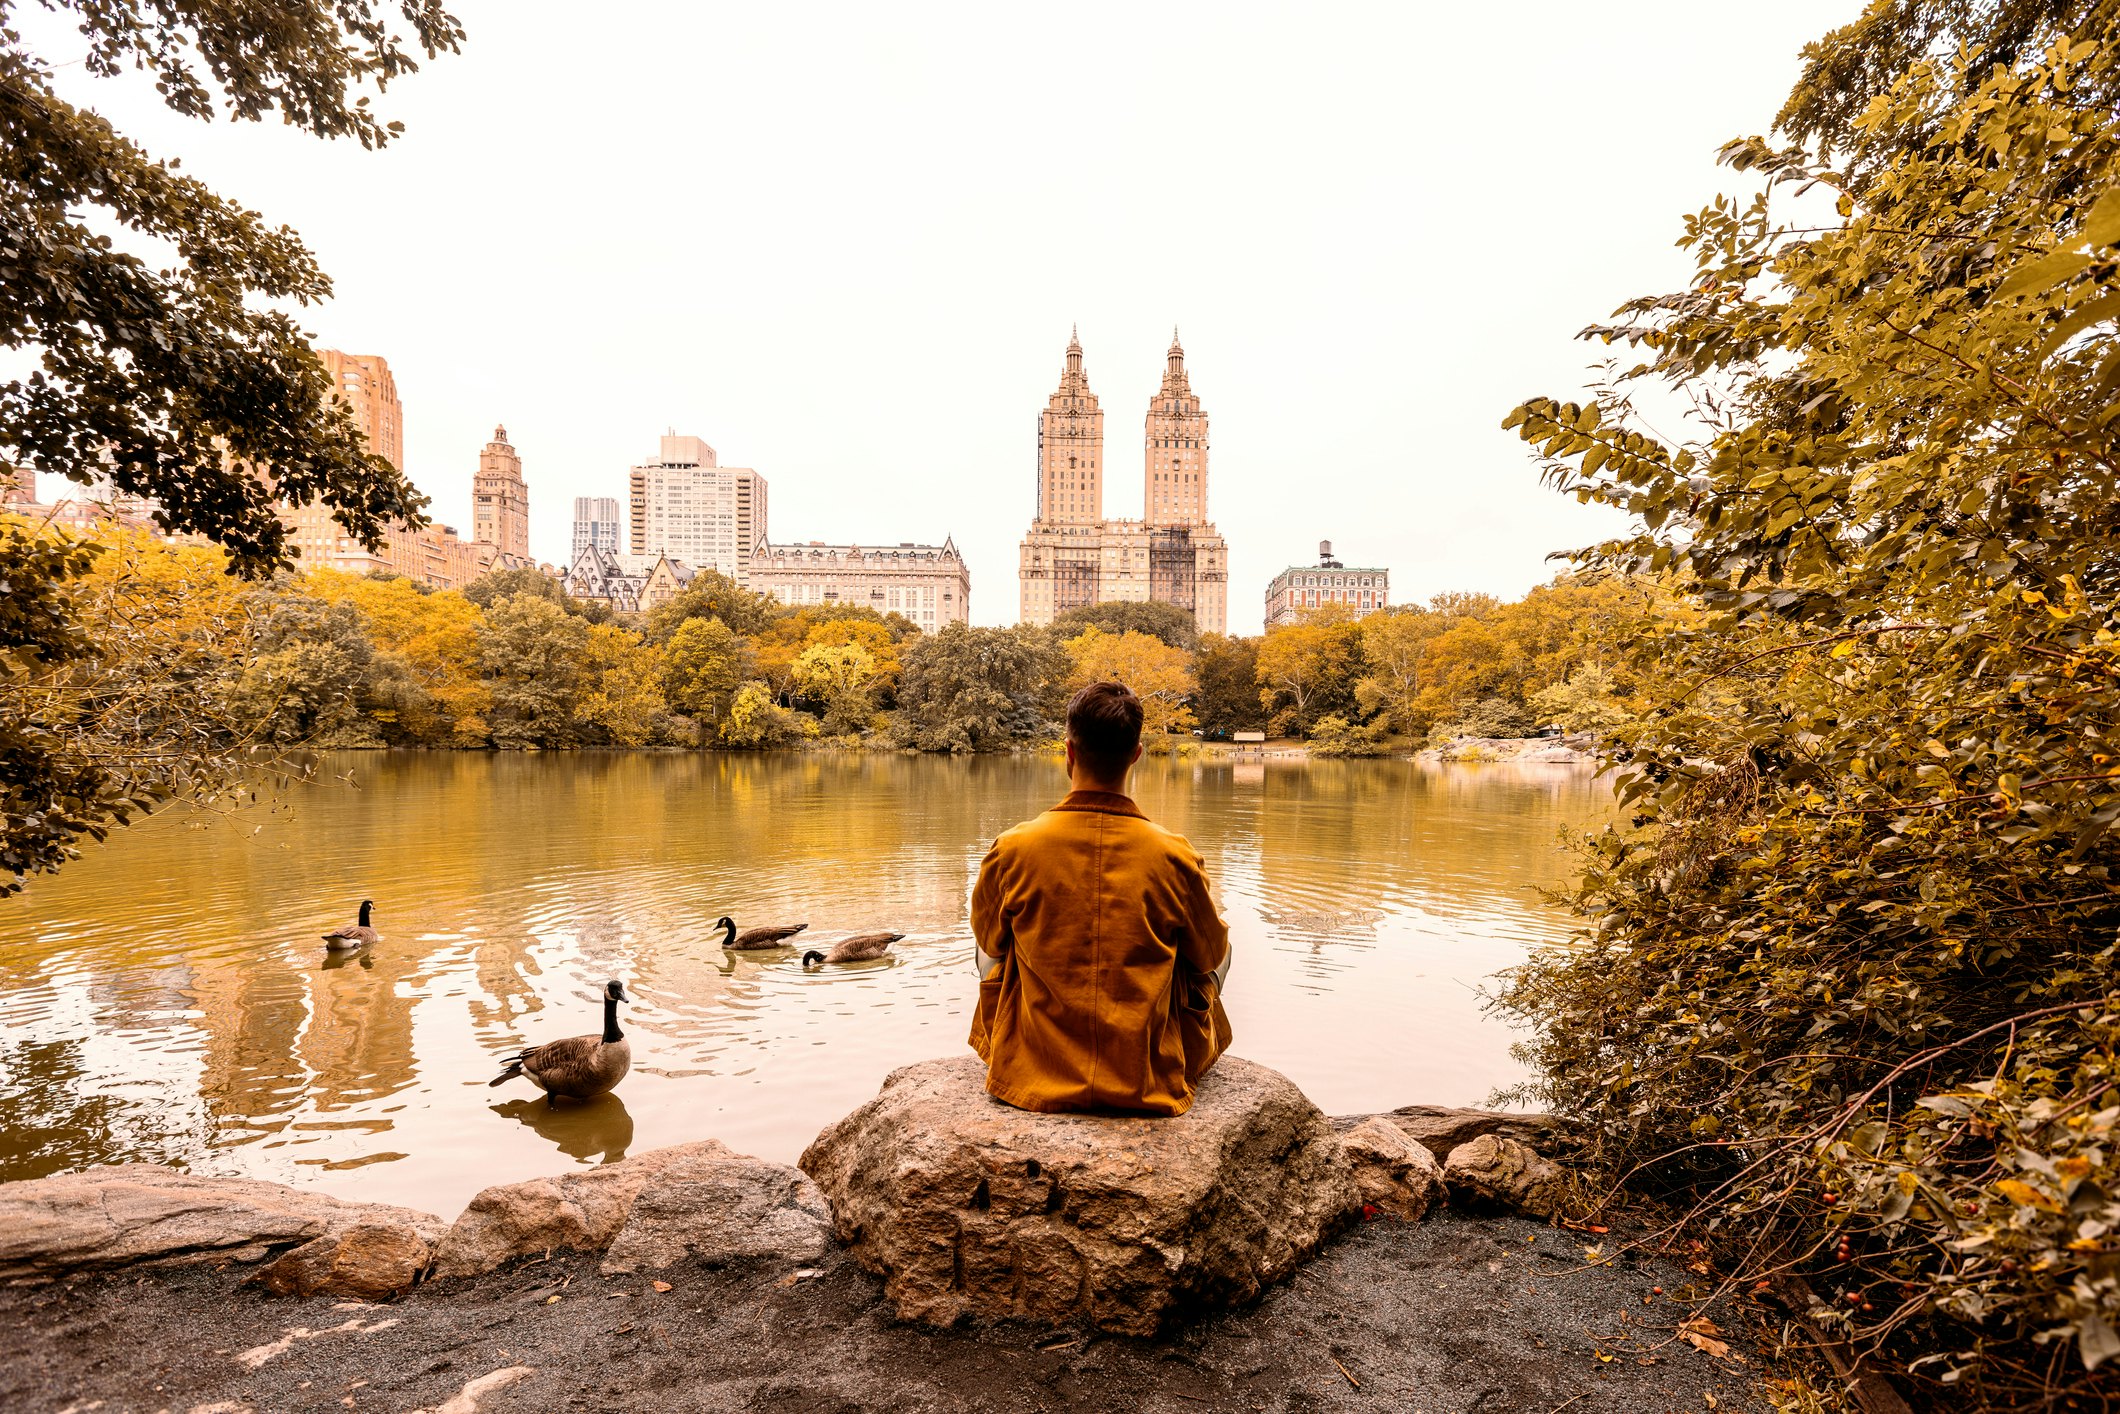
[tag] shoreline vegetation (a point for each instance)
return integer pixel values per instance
(148, 672)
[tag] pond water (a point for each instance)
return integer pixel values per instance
(166, 998)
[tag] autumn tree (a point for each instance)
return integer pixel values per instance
(1226, 692)
(119, 671)
(435, 635)
(1847, 982)
(843, 676)
(713, 595)
(495, 585)
(532, 655)
(1169, 622)
(311, 674)
(622, 695)
(1308, 669)
(976, 689)
(704, 663)
(755, 721)
(1158, 673)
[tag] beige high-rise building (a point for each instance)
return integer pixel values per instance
(364, 384)
(927, 584)
(433, 554)
(689, 507)
(1073, 556)
(500, 506)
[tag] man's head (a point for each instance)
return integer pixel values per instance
(1103, 734)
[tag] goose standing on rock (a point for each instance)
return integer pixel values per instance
(580, 1067)
(860, 947)
(751, 939)
(353, 935)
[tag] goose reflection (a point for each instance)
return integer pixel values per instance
(598, 1130)
(335, 960)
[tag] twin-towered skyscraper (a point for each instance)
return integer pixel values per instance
(1073, 556)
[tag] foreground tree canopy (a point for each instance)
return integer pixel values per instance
(1849, 977)
(166, 373)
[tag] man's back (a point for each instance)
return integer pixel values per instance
(1105, 936)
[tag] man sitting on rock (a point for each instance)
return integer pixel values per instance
(1101, 956)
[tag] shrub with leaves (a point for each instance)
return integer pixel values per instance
(1847, 985)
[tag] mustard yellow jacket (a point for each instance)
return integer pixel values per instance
(1107, 939)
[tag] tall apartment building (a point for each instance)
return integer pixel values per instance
(364, 384)
(1299, 588)
(1074, 556)
(433, 554)
(685, 505)
(18, 485)
(500, 506)
(928, 584)
(596, 522)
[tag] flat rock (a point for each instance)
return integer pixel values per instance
(1394, 1175)
(717, 1210)
(701, 1200)
(1441, 1128)
(128, 1214)
(966, 1206)
(1492, 1172)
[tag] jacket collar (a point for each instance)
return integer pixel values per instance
(1103, 802)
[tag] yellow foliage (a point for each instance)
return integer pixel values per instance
(1160, 675)
(436, 634)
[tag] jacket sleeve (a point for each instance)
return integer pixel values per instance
(990, 931)
(1204, 947)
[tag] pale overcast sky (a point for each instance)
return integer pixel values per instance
(844, 244)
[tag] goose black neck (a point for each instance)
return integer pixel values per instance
(728, 929)
(364, 913)
(611, 1031)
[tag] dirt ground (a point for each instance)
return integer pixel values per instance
(1454, 1315)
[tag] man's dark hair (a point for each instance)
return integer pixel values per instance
(1104, 723)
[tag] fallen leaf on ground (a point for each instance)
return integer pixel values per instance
(1700, 1332)
(660, 1285)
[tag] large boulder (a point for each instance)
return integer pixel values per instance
(1395, 1176)
(1441, 1128)
(127, 1214)
(1492, 1173)
(967, 1206)
(700, 1200)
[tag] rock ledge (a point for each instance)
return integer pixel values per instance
(126, 1214)
(966, 1206)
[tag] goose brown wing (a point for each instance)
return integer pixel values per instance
(572, 1057)
(861, 947)
(766, 937)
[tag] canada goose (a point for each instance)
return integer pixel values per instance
(751, 938)
(861, 947)
(579, 1067)
(353, 935)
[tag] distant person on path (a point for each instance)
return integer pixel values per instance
(1101, 956)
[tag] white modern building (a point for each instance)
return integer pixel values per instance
(687, 506)
(597, 522)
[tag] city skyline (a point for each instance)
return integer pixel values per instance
(1364, 325)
